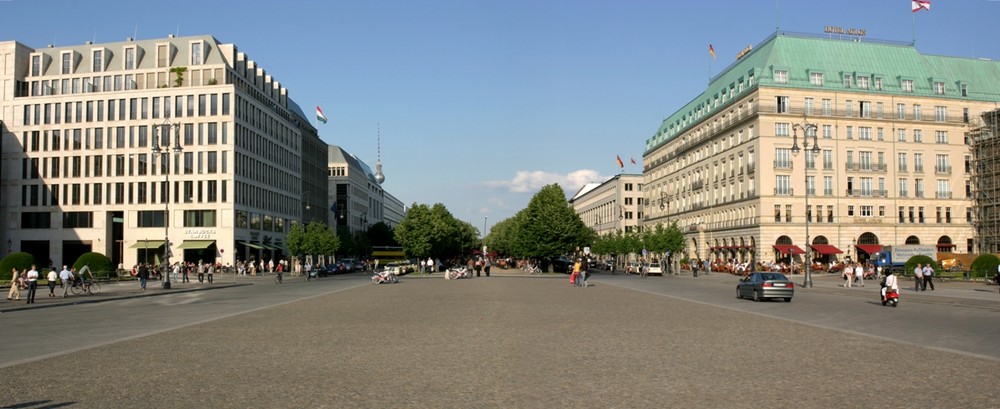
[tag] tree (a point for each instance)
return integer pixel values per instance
(381, 235)
(313, 239)
(432, 231)
(549, 227)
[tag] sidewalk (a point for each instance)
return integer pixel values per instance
(120, 290)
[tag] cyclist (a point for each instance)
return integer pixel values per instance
(86, 277)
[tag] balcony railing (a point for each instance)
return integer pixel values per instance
(865, 167)
(784, 191)
(943, 195)
(782, 164)
(942, 170)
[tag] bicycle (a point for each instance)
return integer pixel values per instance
(88, 286)
(532, 269)
(277, 278)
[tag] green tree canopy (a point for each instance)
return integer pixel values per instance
(549, 227)
(432, 231)
(313, 239)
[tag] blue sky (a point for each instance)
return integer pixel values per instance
(481, 103)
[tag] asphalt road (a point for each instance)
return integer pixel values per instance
(499, 342)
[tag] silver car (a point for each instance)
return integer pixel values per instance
(765, 285)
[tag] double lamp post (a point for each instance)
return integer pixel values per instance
(812, 151)
(157, 151)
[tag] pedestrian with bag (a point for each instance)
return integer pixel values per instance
(15, 285)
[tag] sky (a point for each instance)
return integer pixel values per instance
(481, 103)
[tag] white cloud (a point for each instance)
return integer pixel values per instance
(530, 181)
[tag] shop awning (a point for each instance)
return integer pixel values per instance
(826, 249)
(789, 249)
(251, 245)
(870, 248)
(945, 246)
(196, 244)
(147, 244)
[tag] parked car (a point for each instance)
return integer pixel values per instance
(765, 285)
(349, 264)
(655, 268)
(394, 268)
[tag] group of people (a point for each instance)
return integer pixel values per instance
(581, 269)
(857, 272)
(922, 276)
(28, 280)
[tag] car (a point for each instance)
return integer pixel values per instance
(655, 268)
(562, 264)
(394, 268)
(765, 285)
(349, 264)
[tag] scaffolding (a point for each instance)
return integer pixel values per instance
(985, 142)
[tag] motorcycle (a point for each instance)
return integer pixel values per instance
(891, 297)
(312, 274)
(457, 273)
(384, 277)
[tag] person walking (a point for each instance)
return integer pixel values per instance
(486, 266)
(201, 271)
(928, 276)
(66, 279)
(143, 275)
(52, 277)
(918, 277)
(859, 274)
(584, 272)
(15, 285)
(32, 280)
(694, 268)
(211, 272)
(848, 276)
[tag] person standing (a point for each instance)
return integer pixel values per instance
(928, 276)
(66, 278)
(694, 267)
(430, 266)
(32, 279)
(584, 271)
(143, 275)
(211, 272)
(918, 277)
(859, 274)
(52, 277)
(486, 266)
(848, 276)
(15, 285)
(185, 269)
(176, 270)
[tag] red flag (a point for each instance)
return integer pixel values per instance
(620, 164)
(918, 5)
(633, 161)
(711, 50)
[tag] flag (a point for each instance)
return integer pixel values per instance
(711, 50)
(619, 159)
(918, 5)
(632, 160)
(319, 115)
(333, 208)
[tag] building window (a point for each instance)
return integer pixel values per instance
(36, 65)
(827, 107)
(907, 85)
(917, 112)
(865, 108)
(782, 129)
(850, 210)
(783, 185)
(901, 135)
(781, 104)
(863, 82)
(878, 83)
(866, 210)
(777, 213)
(941, 137)
(850, 132)
(151, 218)
(901, 161)
(199, 218)
(67, 59)
(900, 111)
(939, 88)
(197, 56)
(781, 76)
(903, 186)
(847, 80)
(816, 78)
(782, 158)
(828, 185)
(130, 58)
(965, 90)
(809, 106)
(918, 136)
(940, 113)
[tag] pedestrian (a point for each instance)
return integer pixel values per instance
(918, 274)
(185, 269)
(848, 275)
(928, 276)
(479, 267)
(574, 277)
(176, 270)
(694, 267)
(66, 279)
(376, 265)
(430, 266)
(15, 285)
(211, 272)
(52, 277)
(32, 280)
(201, 271)
(486, 266)
(143, 275)
(859, 273)
(584, 272)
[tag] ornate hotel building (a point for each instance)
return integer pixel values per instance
(892, 165)
(140, 147)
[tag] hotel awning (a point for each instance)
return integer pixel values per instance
(147, 244)
(251, 245)
(826, 249)
(870, 248)
(789, 249)
(196, 244)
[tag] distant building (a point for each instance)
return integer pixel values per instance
(80, 126)
(893, 158)
(985, 188)
(356, 196)
(393, 210)
(614, 205)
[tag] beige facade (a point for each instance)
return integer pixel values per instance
(80, 174)
(892, 166)
(613, 206)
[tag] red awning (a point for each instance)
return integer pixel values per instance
(870, 248)
(789, 249)
(943, 245)
(826, 249)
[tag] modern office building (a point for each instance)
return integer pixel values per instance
(179, 145)
(393, 210)
(614, 205)
(884, 156)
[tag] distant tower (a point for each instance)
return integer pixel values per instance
(379, 177)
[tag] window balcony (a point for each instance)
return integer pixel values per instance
(778, 191)
(942, 170)
(943, 195)
(782, 164)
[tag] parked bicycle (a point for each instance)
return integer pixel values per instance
(81, 286)
(532, 269)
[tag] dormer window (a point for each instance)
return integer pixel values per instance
(847, 80)
(816, 78)
(781, 76)
(67, 62)
(863, 82)
(197, 53)
(36, 65)
(907, 85)
(939, 88)
(98, 60)
(162, 55)
(965, 90)
(878, 83)
(130, 58)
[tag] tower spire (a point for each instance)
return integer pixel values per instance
(379, 177)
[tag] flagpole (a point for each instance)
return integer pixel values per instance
(913, 18)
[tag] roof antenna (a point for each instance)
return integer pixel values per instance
(379, 177)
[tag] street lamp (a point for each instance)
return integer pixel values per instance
(806, 128)
(157, 150)
(663, 201)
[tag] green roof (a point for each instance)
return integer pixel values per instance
(802, 54)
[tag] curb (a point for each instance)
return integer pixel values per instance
(93, 300)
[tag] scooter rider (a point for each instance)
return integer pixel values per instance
(890, 282)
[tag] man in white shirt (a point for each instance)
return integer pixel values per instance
(66, 277)
(859, 273)
(32, 278)
(890, 283)
(918, 276)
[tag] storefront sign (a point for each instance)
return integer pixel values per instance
(203, 234)
(860, 32)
